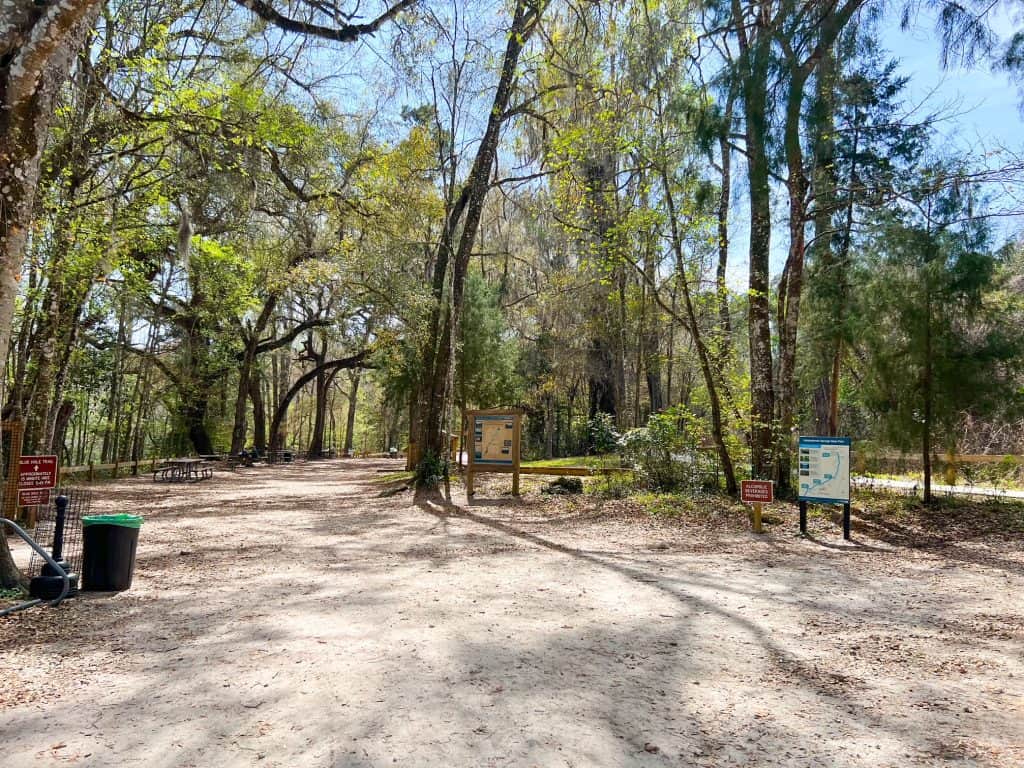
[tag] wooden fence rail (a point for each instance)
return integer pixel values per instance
(90, 469)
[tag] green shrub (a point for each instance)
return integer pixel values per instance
(431, 471)
(667, 452)
(604, 437)
(614, 485)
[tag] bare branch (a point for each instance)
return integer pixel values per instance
(346, 33)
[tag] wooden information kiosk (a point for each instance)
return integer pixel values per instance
(494, 444)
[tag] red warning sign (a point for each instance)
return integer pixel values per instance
(757, 491)
(37, 472)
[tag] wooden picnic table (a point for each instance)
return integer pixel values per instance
(182, 470)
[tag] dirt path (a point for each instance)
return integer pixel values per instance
(294, 617)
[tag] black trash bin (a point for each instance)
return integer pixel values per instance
(108, 551)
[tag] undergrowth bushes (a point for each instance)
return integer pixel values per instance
(668, 454)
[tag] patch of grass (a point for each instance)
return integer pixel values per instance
(17, 593)
(675, 504)
(606, 460)
(565, 461)
(617, 485)
(667, 504)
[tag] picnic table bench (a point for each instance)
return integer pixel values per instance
(183, 470)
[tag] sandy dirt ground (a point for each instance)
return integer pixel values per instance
(295, 616)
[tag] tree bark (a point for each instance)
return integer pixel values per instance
(755, 58)
(194, 415)
(316, 438)
(724, 202)
(38, 43)
(350, 416)
(259, 414)
(650, 343)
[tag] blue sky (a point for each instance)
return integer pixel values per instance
(984, 103)
(981, 114)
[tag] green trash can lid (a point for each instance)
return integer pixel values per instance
(125, 521)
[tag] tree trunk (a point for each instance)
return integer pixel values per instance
(762, 390)
(927, 393)
(350, 416)
(194, 416)
(60, 426)
(650, 345)
(724, 201)
(38, 43)
(239, 427)
(252, 338)
(316, 439)
(828, 27)
(703, 355)
(833, 395)
(550, 425)
(357, 360)
(671, 352)
(601, 380)
(259, 414)
(438, 353)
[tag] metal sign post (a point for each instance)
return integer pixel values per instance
(824, 466)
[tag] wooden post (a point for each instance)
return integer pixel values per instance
(117, 467)
(757, 493)
(515, 454)
(468, 441)
(15, 427)
(92, 471)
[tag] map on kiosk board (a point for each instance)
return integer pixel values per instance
(825, 469)
(492, 438)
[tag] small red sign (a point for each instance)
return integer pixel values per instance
(33, 497)
(757, 491)
(37, 472)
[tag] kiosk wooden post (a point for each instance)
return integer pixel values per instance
(15, 429)
(491, 448)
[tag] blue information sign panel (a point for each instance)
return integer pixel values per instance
(824, 468)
